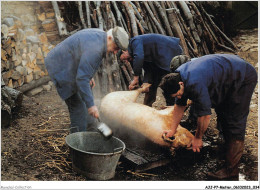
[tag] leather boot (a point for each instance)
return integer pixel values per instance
(234, 152)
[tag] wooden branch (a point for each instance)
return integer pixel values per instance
(129, 68)
(131, 15)
(100, 19)
(217, 28)
(164, 18)
(59, 20)
(140, 26)
(150, 4)
(34, 84)
(120, 19)
(115, 74)
(189, 18)
(153, 18)
(88, 14)
(127, 76)
(136, 11)
(127, 19)
(81, 14)
(176, 29)
(108, 11)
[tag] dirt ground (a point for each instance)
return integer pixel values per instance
(33, 148)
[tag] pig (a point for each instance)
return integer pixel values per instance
(121, 110)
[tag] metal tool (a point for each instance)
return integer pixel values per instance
(104, 129)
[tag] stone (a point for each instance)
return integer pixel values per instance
(50, 83)
(31, 57)
(16, 75)
(21, 70)
(35, 48)
(29, 32)
(29, 70)
(46, 87)
(34, 91)
(18, 60)
(32, 39)
(20, 34)
(24, 62)
(4, 30)
(41, 16)
(8, 21)
(28, 78)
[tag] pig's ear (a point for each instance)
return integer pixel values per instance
(168, 111)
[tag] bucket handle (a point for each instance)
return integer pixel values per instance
(117, 149)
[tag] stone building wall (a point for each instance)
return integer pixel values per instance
(20, 9)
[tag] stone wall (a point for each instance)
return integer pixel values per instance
(20, 9)
(24, 43)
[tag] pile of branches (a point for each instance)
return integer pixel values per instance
(198, 33)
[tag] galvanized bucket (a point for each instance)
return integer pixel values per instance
(93, 155)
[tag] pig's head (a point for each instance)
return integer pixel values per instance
(182, 138)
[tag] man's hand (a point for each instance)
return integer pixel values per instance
(93, 111)
(134, 83)
(92, 83)
(169, 133)
(196, 144)
(145, 87)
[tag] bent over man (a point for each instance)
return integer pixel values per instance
(223, 82)
(72, 65)
(153, 53)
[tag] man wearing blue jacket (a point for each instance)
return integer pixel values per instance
(72, 65)
(223, 82)
(153, 53)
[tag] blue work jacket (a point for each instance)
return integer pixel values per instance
(73, 62)
(210, 79)
(154, 48)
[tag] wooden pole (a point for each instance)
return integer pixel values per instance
(177, 30)
(164, 18)
(131, 15)
(81, 14)
(88, 14)
(61, 25)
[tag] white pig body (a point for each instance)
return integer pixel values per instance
(120, 109)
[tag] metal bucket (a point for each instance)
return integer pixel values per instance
(94, 156)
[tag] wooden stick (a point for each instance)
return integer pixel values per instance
(100, 19)
(164, 18)
(189, 18)
(128, 78)
(217, 28)
(131, 15)
(127, 19)
(88, 14)
(150, 3)
(153, 18)
(81, 14)
(177, 30)
(129, 68)
(140, 26)
(61, 25)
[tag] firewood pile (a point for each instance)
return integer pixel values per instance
(186, 20)
(22, 54)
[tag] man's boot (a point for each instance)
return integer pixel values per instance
(230, 170)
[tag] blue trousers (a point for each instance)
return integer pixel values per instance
(79, 117)
(232, 113)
